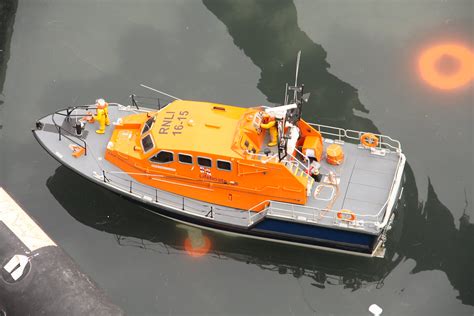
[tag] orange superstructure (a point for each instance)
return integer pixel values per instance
(209, 152)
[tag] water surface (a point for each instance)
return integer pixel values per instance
(359, 63)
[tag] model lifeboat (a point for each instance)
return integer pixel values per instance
(259, 171)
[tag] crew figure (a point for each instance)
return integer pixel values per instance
(102, 115)
(269, 122)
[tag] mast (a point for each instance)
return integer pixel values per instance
(298, 56)
(293, 110)
(298, 96)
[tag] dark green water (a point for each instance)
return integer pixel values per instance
(359, 62)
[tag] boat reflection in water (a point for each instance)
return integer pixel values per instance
(134, 226)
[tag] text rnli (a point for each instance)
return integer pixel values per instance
(173, 122)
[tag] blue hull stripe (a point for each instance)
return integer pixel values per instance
(343, 238)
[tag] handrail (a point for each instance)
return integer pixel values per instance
(266, 204)
(375, 219)
(76, 139)
(183, 203)
(355, 135)
(305, 167)
(188, 204)
(262, 157)
(138, 101)
(59, 129)
(273, 157)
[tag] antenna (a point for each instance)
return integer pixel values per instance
(297, 70)
(168, 95)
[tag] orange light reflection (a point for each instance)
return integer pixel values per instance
(197, 247)
(429, 61)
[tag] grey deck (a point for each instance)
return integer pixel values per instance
(365, 185)
(365, 182)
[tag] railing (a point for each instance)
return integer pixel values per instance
(179, 202)
(295, 211)
(274, 158)
(149, 102)
(262, 157)
(70, 112)
(315, 214)
(139, 102)
(391, 192)
(250, 216)
(76, 139)
(258, 214)
(343, 134)
(305, 165)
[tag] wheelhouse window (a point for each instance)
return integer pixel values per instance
(183, 158)
(163, 157)
(147, 143)
(148, 124)
(204, 162)
(224, 165)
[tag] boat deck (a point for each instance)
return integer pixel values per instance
(363, 186)
(94, 167)
(365, 181)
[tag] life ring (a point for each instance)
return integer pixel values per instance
(369, 140)
(346, 215)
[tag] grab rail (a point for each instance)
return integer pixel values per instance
(159, 103)
(341, 134)
(294, 210)
(61, 130)
(68, 113)
(179, 202)
(258, 214)
(305, 167)
(68, 134)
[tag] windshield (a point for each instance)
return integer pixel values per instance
(147, 143)
(148, 124)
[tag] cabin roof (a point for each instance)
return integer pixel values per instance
(204, 127)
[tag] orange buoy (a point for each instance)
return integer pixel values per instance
(430, 59)
(334, 154)
(369, 140)
(346, 215)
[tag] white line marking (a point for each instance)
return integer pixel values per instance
(21, 224)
